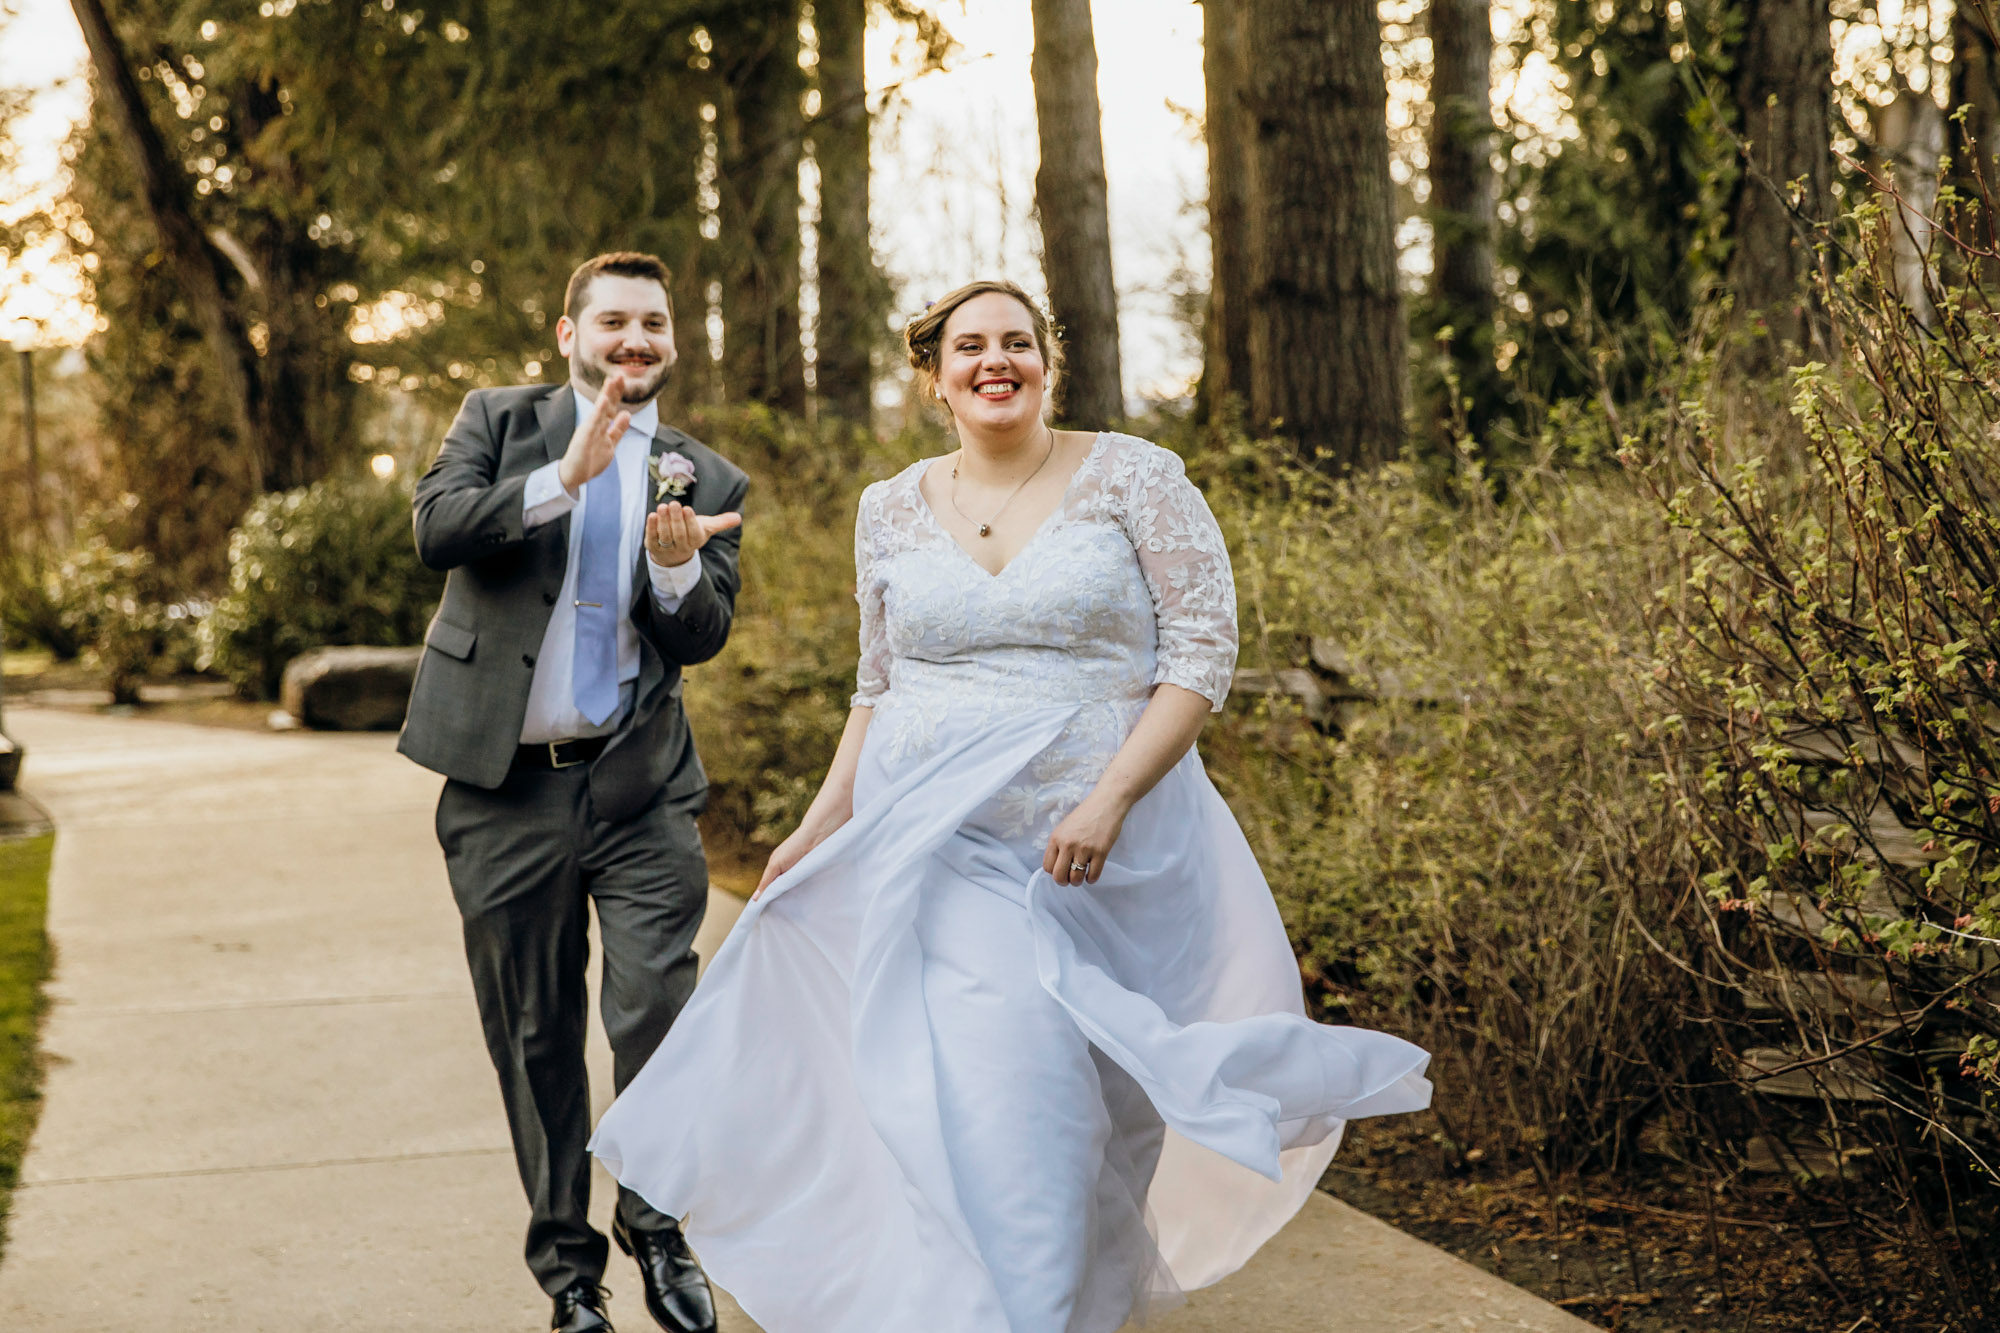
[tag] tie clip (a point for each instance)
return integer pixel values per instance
(598, 605)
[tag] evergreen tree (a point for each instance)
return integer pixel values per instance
(1621, 230)
(400, 196)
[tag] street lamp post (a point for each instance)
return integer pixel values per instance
(11, 753)
(38, 532)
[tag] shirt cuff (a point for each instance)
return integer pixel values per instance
(672, 583)
(544, 500)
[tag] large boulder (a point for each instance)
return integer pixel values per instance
(350, 689)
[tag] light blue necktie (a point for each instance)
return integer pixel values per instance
(594, 679)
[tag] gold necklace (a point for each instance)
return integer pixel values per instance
(986, 528)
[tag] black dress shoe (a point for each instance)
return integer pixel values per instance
(580, 1309)
(677, 1294)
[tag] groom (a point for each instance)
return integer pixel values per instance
(592, 553)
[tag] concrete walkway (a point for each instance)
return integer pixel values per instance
(269, 1110)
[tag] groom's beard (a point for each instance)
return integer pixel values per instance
(639, 389)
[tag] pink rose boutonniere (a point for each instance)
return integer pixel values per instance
(674, 472)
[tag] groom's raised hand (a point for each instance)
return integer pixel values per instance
(595, 442)
(675, 532)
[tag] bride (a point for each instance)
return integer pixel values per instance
(1011, 1038)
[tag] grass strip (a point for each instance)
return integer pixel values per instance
(24, 966)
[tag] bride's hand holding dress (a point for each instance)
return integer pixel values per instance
(1087, 835)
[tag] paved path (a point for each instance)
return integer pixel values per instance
(269, 1109)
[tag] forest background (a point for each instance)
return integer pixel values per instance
(1611, 479)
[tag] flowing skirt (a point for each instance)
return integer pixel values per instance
(924, 1087)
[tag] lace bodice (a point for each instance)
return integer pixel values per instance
(1125, 586)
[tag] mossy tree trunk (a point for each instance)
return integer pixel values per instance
(1072, 202)
(761, 125)
(1328, 344)
(1784, 96)
(1226, 341)
(852, 293)
(1464, 189)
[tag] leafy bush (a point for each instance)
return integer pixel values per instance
(1829, 730)
(108, 601)
(103, 602)
(30, 611)
(330, 563)
(767, 713)
(1455, 856)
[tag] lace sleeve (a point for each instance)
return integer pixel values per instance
(871, 677)
(1186, 567)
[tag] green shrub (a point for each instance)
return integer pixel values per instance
(1828, 727)
(1455, 857)
(30, 611)
(102, 601)
(330, 563)
(768, 712)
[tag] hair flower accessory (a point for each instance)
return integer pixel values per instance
(674, 473)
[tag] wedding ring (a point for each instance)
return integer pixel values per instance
(1079, 865)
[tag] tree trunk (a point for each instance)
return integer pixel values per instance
(302, 366)
(762, 128)
(1328, 345)
(1463, 192)
(1784, 90)
(1071, 202)
(1227, 129)
(198, 266)
(1911, 134)
(852, 294)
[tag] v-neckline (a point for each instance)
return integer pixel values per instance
(1062, 503)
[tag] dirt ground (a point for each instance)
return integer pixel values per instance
(1657, 1251)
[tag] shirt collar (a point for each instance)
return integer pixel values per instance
(646, 420)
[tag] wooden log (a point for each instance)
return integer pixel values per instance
(1830, 747)
(1311, 693)
(1868, 1003)
(1886, 839)
(1848, 1079)
(1805, 916)
(1349, 679)
(1767, 1154)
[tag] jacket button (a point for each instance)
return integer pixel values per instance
(527, 660)
(548, 599)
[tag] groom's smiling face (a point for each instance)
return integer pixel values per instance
(625, 325)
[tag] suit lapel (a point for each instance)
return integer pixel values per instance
(556, 414)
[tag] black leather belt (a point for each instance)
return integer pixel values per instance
(560, 754)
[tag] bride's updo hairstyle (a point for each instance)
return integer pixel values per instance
(924, 334)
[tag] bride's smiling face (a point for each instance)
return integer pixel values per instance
(991, 372)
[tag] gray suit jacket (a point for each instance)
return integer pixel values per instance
(471, 691)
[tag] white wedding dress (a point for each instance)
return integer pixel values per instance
(924, 1088)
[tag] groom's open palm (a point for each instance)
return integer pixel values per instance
(675, 532)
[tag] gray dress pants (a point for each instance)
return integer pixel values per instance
(523, 860)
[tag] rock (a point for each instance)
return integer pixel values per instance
(350, 689)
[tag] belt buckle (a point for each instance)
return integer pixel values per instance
(556, 760)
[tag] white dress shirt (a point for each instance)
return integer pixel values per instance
(552, 712)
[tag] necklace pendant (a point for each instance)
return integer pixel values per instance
(985, 529)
